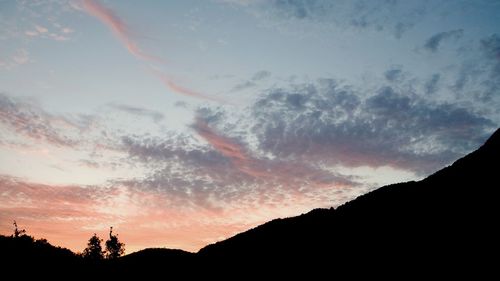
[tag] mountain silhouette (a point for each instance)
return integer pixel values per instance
(445, 223)
(24, 252)
(451, 216)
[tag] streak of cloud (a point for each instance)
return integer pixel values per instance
(33, 122)
(178, 89)
(119, 28)
(122, 31)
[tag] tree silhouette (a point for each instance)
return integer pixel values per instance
(18, 233)
(94, 250)
(114, 248)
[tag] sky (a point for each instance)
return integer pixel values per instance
(181, 123)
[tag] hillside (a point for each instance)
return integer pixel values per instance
(448, 216)
(26, 252)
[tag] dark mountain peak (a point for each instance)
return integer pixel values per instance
(473, 170)
(447, 216)
(493, 142)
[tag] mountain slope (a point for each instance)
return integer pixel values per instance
(39, 255)
(450, 215)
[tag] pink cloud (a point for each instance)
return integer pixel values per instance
(69, 215)
(58, 37)
(41, 29)
(123, 33)
(118, 27)
(225, 146)
(32, 121)
(290, 175)
(21, 56)
(67, 30)
(31, 33)
(178, 89)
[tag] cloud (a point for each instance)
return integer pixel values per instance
(155, 115)
(432, 44)
(286, 174)
(327, 123)
(244, 85)
(31, 121)
(118, 27)
(260, 75)
(41, 29)
(476, 76)
(31, 33)
(431, 86)
(223, 145)
(69, 215)
(393, 75)
(377, 15)
(43, 32)
(400, 28)
(226, 172)
(491, 48)
(491, 45)
(122, 31)
(67, 30)
(21, 57)
(17, 58)
(37, 205)
(176, 88)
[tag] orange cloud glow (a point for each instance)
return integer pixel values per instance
(69, 215)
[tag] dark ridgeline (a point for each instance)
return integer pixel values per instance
(448, 219)
(446, 222)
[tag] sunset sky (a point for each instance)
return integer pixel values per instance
(181, 123)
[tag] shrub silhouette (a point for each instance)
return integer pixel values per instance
(18, 233)
(94, 250)
(114, 248)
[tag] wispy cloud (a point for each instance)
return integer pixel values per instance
(43, 32)
(17, 58)
(21, 56)
(41, 29)
(122, 31)
(176, 88)
(155, 115)
(29, 120)
(118, 27)
(224, 145)
(432, 44)
(395, 17)
(49, 211)
(223, 172)
(331, 124)
(62, 207)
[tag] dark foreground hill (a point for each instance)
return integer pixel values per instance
(450, 217)
(446, 222)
